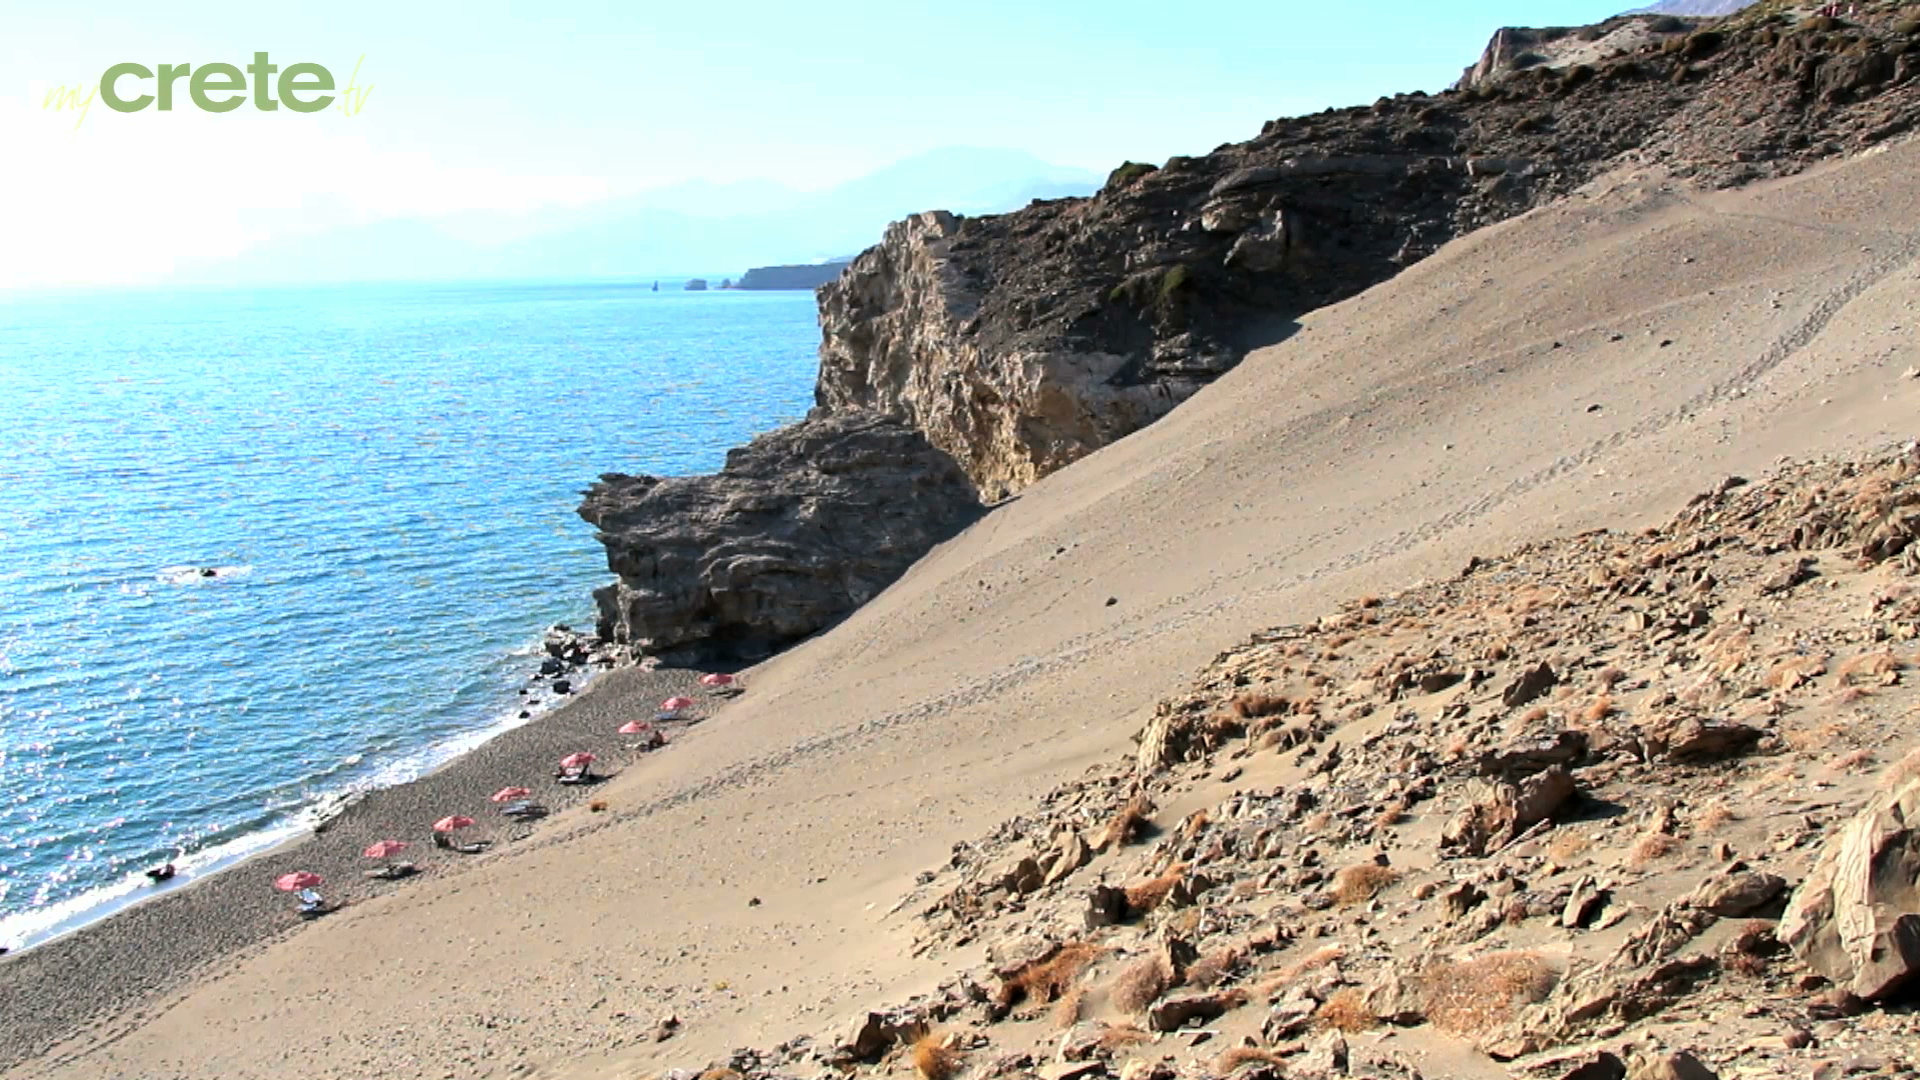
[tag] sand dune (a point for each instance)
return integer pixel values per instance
(1591, 364)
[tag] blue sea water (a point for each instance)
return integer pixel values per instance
(385, 478)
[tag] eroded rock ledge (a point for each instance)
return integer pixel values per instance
(801, 526)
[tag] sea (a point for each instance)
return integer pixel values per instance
(382, 481)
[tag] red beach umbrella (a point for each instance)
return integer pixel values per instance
(385, 849)
(572, 761)
(635, 727)
(674, 704)
(299, 879)
(452, 822)
(718, 678)
(508, 794)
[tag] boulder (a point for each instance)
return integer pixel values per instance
(800, 527)
(1501, 811)
(1856, 917)
(1736, 894)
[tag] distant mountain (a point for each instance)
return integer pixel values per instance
(1694, 7)
(662, 232)
(803, 276)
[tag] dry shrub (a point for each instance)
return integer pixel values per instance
(1610, 676)
(1368, 601)
(1457, 748)
(1744, 963)
(1147, 895)
(1907, 768)
(1253, 705)
(1245, 1055)
(1318, 821)
(1473, 996)
(1597, 710)
(1873, 665)
(1048, 978)
(1286, 976)
(933, 1059)
(1120, 1036)
(1066, 1011)
(1345, 1011)
(1215, 968)
(1140, 984)
(1534, 715)
(1357, 884)
(719, 1072)
(598, 806)
(1568, 844)
(1393, 814)
(1130, 824)
(1808, 739)
(1851, 695)
(1851, 760)
(1652, 846)
(1715, 815)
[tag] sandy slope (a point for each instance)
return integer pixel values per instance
(1448, 412)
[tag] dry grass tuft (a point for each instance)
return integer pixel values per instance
(1597, 710)
(1851, 695)
(1066, 1011)
(1610, 676)
(1147, 895)
(1319, 958)
(1907, 768)
(598, 806)
(1245, 1055)
(1715, 815)
(1048, 978)
(1873, 665)
(1392, 814)
(1215, 968)
(1120, 1036)
(1318, 821)
(1457, 748)
(1568, 844)
(1130, 824)
(1808, 739)
(1345, 1011)
(1357, 884)
(1140, 984)
(1651, 847)
(1474, 996)
(719, 1072)
(933, 1059)
(1851, 760)
(1535, 715)
(1253, 705)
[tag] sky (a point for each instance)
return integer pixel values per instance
(504, 112)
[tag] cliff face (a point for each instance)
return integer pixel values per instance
(802, 525)
(1021, 342)
(978, 355)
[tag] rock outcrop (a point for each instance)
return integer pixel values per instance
(800, 527)
(1856, 919)
(1022, 342)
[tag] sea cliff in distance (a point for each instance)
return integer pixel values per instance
(801, 276)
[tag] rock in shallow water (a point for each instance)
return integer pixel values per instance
(800, 527)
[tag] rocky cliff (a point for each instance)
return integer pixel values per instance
(1016, 344)
(1024, 341)
(801, 526)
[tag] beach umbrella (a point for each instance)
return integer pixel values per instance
(577, 761)
(385, 849)
(635, 727)
(675, 704)
(508, 794)
(452, 822)
(299, 879)
(718, 678)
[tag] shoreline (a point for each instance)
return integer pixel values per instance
(151, 946)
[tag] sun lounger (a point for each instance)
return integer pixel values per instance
(311, 903)
(581, 775)
(391, 871)
(524, 809)
(474, 848)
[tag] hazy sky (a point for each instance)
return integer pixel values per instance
(511, 108)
